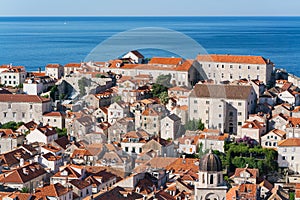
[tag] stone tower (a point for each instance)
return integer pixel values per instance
(210, 185)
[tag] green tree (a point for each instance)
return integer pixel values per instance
(100, 76)
(82, 84)
(164, 80)
(194, 125)
(200, 125)
(238, 155)
(164, 98)
(61, 132)
(53, 92)
(24, 190)
(12, 125)
(116, 99)
(157, 89)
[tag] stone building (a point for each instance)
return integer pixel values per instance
(21, 107)
(210, 185)
(223, 107)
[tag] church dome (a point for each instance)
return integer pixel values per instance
(210, 163)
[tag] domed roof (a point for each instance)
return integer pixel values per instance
(210, 163)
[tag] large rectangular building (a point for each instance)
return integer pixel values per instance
(22, 107)
(222, 107)
(235, 67)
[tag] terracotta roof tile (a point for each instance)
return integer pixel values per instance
(165, 61)
(52, 190)
(22, 98)
(290, 142)
(232, 59)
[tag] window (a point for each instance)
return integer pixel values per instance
(206, 111)
(133, 149)
(220, 125)
(240, 123)
(248, 67)
(217, 66)
(257, 67)
(231, 66)
(54, 120)
(30, 107)
(292, 158)
(211, 180)
(230, 76)
(257, 77)
(239, 113)
(266, 143)
(154, 125)
(126, 149)
(140, 150)
(222, 66)
(23, 114)
(5, 114)
(14, 114)
(222, 75)
(230, 114)
(207, 102)
(195, 111)
(239, 104)
(195, 101)
(9, 106)
(220, 115)
(283, 157)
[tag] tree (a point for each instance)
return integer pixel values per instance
(157, 89)
(200, 125)
(82, 83)
(164, 80)
(194, 125)
(53, 92)
(12, 125)
(164, 98)
(238, 155)
(61, 132)
(116, 99)
(24, 190)
(100, 76)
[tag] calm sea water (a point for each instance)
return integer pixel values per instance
(36, 41)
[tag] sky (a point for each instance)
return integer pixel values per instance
(150, 8)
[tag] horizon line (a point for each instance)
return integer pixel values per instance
(149, 16)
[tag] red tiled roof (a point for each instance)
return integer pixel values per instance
(77, 65)
(290, 142)
(22, 98)
(52, 190)
(232, 59)
(165, 61)
(53, 114)
(53, 66)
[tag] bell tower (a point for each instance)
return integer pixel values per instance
(211, 184)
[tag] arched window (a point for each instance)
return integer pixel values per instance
(203, 178)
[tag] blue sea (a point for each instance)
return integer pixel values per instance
(36, 41)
